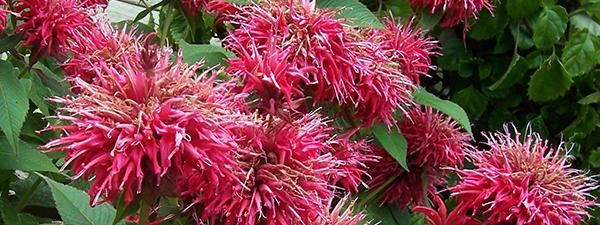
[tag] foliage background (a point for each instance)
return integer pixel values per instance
(531, 62)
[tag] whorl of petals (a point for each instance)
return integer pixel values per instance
(49, 24)
(524, 181)
(434, 139)
(142, 120)
(441, 215)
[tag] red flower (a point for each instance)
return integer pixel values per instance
(352, 157)
(521, 180)
(142, 121)
(434, 140)
(283, 174)
(456, 11)
(406, 46)
(101, 45)
(192, 6)
(49, 24)
(402, 187)
(3, 13)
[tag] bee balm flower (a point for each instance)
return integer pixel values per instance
(522, 180)
(3, 13)
(142, 121)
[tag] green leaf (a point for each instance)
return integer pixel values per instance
(488, 25)
(401, 8)
(11, 217)
(515, 72)
(549, 82)
(14, 103)
(579, 55)
(212, 54)
(356, 13)
(594, 9)
(583, 22)
(590, 99)
(73, 206)
(594, 159)
(27, 159)
(584, 123)
(550, 26)
(386, 214)
(522, 8)
(451, 109)
(393, 142)
(473, 101)
(9, 42)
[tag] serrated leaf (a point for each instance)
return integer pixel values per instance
(584, 123)
(353, 10)
(73, 206)
(590, 99)
(579, 55)
(393, 142)
(451, 109)
(549, 82)
(522, 8)
(515, 72)
(550, 26)
(14, 103)
(472, 101)
(585, 22)
(212, 54)
(27, 159)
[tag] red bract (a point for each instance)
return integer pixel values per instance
(49, 24)
(3, 13)
(403, 187)
(521, 180)
(441, 216)
(143, 120)
(456, 11)
(434, 139)
(342, 214)
(283, 174)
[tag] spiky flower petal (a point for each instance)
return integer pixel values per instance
(3, 13)
(434, 139)
(49, 24)
(441, 216)
(522, 180)
(342, 214)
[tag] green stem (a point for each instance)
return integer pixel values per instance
(165, 28)
(144, 213)
(21, 204)
(371, 195)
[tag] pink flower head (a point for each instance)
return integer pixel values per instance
(342, 214)
(283, 174)
(456, 11)
(49, 24)
(434, 139)
(144, 120)
(3, 13)
(406, 46)
(441, 216)
(101, 45)
(521, 180)
(403, 187)
(353, 158)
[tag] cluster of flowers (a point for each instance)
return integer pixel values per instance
(254, 149)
